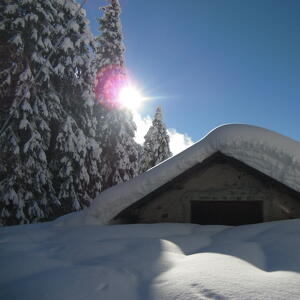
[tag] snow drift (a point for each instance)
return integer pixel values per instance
(151, 262)
(269, 152)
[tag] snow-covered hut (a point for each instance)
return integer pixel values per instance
(236, 174)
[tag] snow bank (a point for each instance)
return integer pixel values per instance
(150, 262)
(271, 153)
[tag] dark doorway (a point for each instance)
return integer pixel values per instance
(226, 212)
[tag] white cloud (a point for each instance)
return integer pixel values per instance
(178, 141)
(143, 124)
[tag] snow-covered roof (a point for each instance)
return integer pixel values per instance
(267, 151)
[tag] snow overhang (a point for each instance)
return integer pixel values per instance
(272, 154)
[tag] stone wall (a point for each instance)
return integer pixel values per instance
(219, 181)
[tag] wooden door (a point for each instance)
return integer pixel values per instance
(226, 212)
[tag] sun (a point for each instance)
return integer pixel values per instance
(130, 97)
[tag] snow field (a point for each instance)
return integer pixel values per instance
(150, 261)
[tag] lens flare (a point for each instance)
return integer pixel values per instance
(114, 89)
(108, 83)
(130, 97)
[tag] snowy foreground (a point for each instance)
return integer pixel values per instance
(155, 261)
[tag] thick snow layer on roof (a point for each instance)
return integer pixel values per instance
(269, 152)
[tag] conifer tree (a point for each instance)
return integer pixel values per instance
(109, 45)
(48, 157)
(76, 155)
(156, 145)
(116, 129)
(26, 190)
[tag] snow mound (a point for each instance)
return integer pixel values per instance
(151, 262)
(269, 152)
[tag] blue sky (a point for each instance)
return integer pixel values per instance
(211, 62)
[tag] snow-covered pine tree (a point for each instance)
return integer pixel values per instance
(156, 145)
(116, 128)
(48, 155)
(120, 150)
(109, 45)
(26, 190)
(75, 153)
